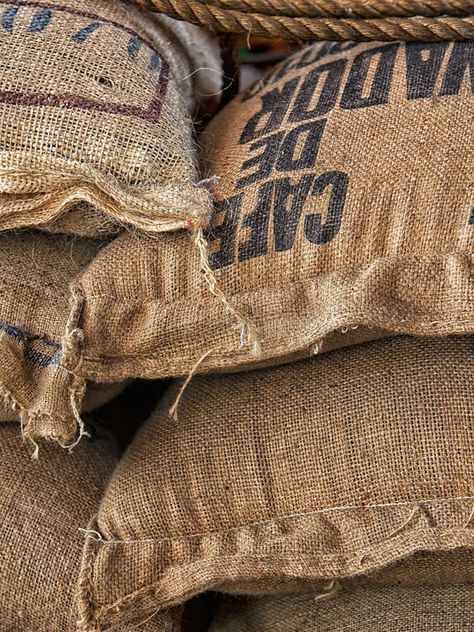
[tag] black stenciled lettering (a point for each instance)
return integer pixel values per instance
(312, 54)
(283, 69)
(307, 138)
(471, 217)
(257, 221)
(270, 116)
(352, 97)
(270, 77)
(265, 161)
(315, 230)
(331, 74)
(225, 232)
(461, 60)
(289, 200)
(341, 47)
(423, 63)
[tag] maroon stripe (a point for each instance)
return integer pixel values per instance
(72, 101)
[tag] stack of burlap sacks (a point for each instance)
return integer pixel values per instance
(96, 142)
(318, 476)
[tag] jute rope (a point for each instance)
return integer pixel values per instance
(356, 20)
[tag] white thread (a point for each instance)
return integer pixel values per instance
(90, 533)
(214, 178)
(316, 347)
(330, 590)
(289, 516)
(471, 516)
(198, 70)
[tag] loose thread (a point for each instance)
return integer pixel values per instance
(91, 533)
(139, 625)
(403, 525)
(35, 455)
(249, 335)
(471, 516)
(75, 411)
(316, 347)
(173, 412)
(329, 591)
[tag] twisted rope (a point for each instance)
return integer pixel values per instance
(349, 8)
(357, 20)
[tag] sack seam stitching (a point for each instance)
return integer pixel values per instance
(294, 516)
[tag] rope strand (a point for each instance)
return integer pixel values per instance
(381, 20)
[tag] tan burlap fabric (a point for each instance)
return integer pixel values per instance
(37, 333)
(344, 210)
(43, 504)
(332, 467)
(391, 609)
(95, 111)
(95, 396)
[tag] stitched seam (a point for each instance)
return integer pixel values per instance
(293, 517)
(127, 600)
(383, 324)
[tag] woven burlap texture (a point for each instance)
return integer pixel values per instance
(96, 102)
(389, 609)
(43, 504)
(37, 333)
(328, 468)
(343, 211)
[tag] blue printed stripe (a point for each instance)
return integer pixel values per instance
(40, 20)
(133, 48)
(8, 18)
(81, 36)
(155, 62)
(32, 355)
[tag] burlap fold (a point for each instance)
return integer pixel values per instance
(389, 609)
(343, 212)
(333, 467)
(96, 100)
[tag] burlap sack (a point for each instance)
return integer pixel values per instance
(344, 210)
(95, 112)
(37, 335)
(332, 467)
(43, 504)
(390, 609)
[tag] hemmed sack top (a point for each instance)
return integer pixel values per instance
(329, 468)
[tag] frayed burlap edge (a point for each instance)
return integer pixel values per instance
(64, 426)
(57, 185)
(280, 548)
(422, 296)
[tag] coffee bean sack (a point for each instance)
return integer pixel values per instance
(96, 105)
(343, 212)
(276, 480)
(389, 609)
